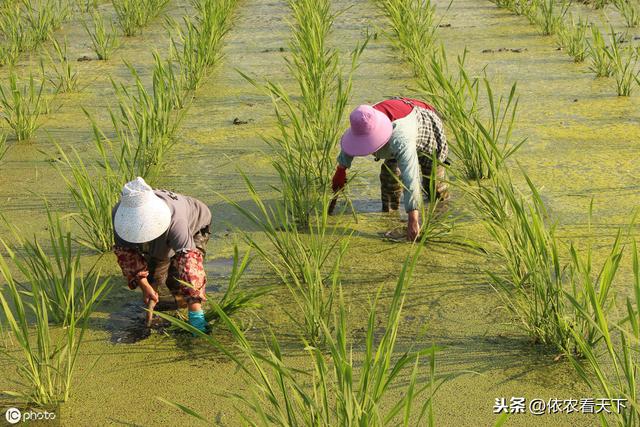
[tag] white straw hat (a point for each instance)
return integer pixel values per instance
(142, 216)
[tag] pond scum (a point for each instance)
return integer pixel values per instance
(552, 288)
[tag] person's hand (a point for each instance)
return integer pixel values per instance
(148, 293)
(413, 226)
(339, 179)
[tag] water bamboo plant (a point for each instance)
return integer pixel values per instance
(64, 76)
(197, 45)
(103, 40)
(22, 105)
(600, 54)
(95, 192)
(573, 37)
(630, 11)
(46, 358)
(306, 260)
(45, 16)
(134, 15)
(58, 276)
(336, 391)
(310, 124)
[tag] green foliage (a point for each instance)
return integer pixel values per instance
(337, 391)
(624, 61)
(549, 19)
(306, 260)
(45, 16)
(573, 38)
(15, 36)
(104, 41)
(46, 359)
(95, 192)
(612, 374)
(133, 15)
(630, 11)
(198, 46)
(310, 124)
(22, 105)
(600, 54)
(58, 276)
(235, 299)
(64, 76)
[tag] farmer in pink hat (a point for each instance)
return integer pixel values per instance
(406, 133)
(160, 240)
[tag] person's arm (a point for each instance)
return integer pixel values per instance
(339, 179)
(134, 268)
(407, 156)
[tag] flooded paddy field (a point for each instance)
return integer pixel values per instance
(581, 151)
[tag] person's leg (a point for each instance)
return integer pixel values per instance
(390, 186)
(441, 186)
(160, 282)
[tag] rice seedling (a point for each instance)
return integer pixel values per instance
(65, 76)
(58, 277)
(549, 19)
(504, 4)
(235, 299)
(103, 40)
(310, 124)
(145, 123)
(624, 61)
(573, 38)
(336, 391)
(630, 11)
(165, 77)
(46, 359)
(482, 138)
(22, 105)
(3, 146)
(45, 16)
(615, 377)
(94, 193)
(307, 262)
(600, 54)
(197, 47)
(600, 4)
(15, 35)
(415, 45)
(133, 15)
(86, 6)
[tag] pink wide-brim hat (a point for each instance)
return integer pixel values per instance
(370, 130)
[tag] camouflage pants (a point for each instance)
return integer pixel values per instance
(391, 186)
(163, 277)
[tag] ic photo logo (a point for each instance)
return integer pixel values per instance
(13, 415)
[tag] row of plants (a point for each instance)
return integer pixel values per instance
(46, 311)
(616, 58)
(553, 289)
(144, 124)
(306, 251)
(26, 24)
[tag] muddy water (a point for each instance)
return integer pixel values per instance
(582, 144)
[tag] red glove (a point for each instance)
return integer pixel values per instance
(339, 179)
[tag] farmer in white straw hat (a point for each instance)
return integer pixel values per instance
(160, 239)
(407, 134)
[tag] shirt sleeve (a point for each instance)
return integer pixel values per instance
(344, 159)
(407, 156)
(133, 265)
